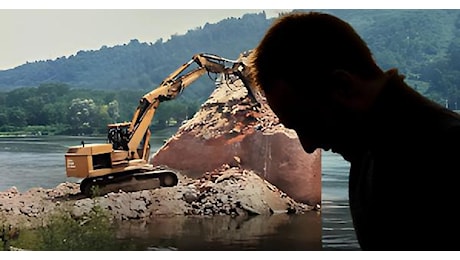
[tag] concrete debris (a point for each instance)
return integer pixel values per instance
(224, 191)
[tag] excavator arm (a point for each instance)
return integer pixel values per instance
(133, 137)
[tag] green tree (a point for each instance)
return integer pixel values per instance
(83, 113)
(113, 110)
(17, 117)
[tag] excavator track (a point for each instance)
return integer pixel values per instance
(129, 181)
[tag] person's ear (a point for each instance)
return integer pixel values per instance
(344, 88)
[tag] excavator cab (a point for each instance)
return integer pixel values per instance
(118, 135)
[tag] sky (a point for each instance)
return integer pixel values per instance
(32, 30)
(31, 35)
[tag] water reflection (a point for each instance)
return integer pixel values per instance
(277, 232)
(338, 231)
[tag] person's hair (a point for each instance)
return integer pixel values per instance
(305, 47)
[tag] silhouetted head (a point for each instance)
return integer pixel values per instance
(317, 74)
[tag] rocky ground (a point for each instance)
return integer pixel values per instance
(224, 191)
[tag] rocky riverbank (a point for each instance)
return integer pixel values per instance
(224, 191)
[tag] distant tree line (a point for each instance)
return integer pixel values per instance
(55, 108)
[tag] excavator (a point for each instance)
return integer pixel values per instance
(125, 156)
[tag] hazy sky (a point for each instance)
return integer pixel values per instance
(32, 30)
(30, 35)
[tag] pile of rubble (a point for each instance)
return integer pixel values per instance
(225, 191)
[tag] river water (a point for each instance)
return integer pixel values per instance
(27, 162)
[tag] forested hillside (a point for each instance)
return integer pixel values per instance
(106, 84)
(423, 44)
(139, 65)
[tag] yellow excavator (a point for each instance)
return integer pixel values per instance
(125, 156)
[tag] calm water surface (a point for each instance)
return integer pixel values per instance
(338, 232)
(27, 162)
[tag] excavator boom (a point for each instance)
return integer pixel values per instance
(169, 89)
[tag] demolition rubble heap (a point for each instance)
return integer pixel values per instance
(231, 128)
(224, 191)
